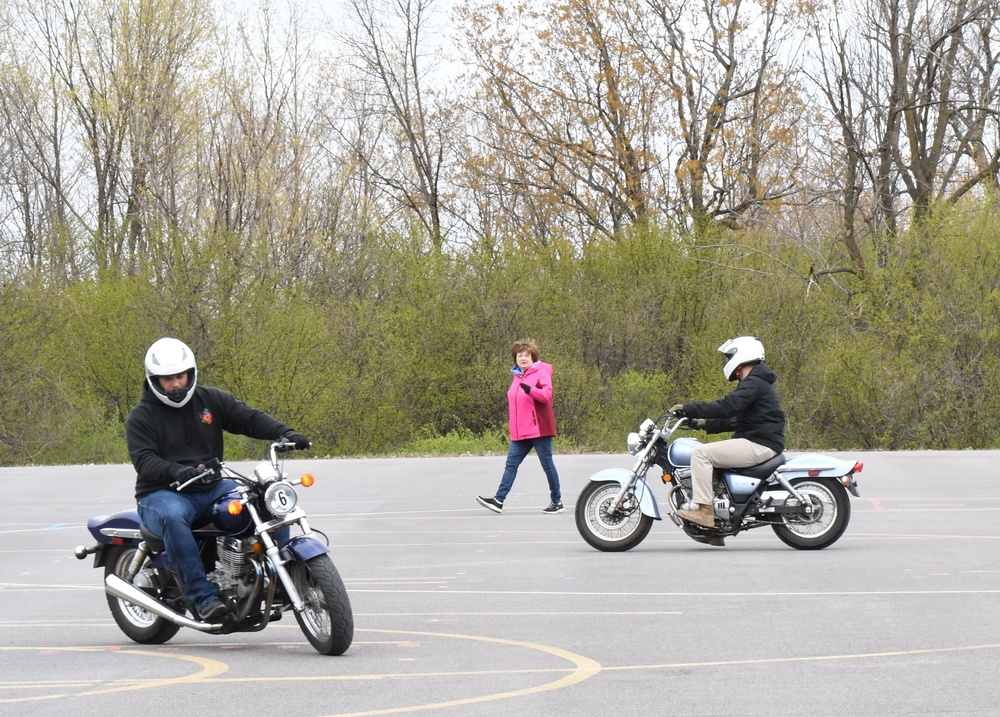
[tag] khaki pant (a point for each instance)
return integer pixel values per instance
(732, 453)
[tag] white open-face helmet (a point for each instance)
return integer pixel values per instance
(740, 351)
(168, 357)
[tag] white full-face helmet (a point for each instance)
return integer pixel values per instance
(739, 352)
(169, 357)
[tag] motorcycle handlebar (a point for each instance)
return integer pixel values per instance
(211, 474)
(283, 446)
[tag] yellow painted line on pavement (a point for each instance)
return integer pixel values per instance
(585, 669)
(806, 658)
(209, 668)
(581, 669)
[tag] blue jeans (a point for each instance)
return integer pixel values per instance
(517, 453)
(172, 515)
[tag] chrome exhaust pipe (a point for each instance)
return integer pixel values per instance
(114, 585)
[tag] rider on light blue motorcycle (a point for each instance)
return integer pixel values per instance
(752, 411)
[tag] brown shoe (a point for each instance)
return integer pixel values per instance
(704, 516)
(716, 541)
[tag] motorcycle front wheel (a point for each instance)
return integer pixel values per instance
(138, 624)
(326, 618)
(610, 531)
(827, 520)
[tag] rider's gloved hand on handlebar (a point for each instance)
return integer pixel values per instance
(300, 441)
(696, 423)
(677, 409)
(186, 473)
(215, 468)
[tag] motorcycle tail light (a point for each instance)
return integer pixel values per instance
(858, 467)
(306, 480)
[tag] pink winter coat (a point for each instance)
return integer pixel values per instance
(531, 413)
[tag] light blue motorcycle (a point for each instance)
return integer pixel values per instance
(803, 499)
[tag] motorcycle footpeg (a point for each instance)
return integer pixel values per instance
(677, 521)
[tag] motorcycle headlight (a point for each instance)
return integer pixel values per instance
(634, 442)
(280, 498)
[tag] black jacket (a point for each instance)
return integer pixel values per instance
(752, 410)
(163, 440)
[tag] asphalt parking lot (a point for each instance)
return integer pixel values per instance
(463, 612)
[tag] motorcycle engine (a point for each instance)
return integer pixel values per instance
(721, 502)
(231, 566)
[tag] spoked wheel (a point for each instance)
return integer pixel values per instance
(825, 521)
(610, 531)
(137, 623)
(326, 618)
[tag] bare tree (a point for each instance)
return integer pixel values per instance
(394, 88)
(915, 87)
(568, 112)
(42, 177)
(161, 51)
(735, 104)
(258, 150)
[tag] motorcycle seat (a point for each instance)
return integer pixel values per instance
(765, 469)
(155, 542)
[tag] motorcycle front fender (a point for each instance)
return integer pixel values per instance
(647, 501)
(302, 548)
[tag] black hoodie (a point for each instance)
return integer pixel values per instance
(752, 410)
(163, 440)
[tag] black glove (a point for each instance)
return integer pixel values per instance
(526, 388)
(186, 473)
(696, 422)
(214, 468)
(300, 441)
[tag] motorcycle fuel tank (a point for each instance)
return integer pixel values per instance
(679, 453)
(228, 515)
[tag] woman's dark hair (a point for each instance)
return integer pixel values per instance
(524, 345)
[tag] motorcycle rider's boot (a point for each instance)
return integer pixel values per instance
(714, 540)
(704, 516)
(213, 611)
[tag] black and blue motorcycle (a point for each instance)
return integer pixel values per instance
(259, 579)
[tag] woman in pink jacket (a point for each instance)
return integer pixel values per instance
(532, 424)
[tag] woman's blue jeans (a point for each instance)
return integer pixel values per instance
(516, 455)
(172, 515)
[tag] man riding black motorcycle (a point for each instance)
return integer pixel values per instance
(174, 431)
(752, 410)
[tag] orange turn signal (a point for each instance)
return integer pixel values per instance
(234, 507)
(307, 480)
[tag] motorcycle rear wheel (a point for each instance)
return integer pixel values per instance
(831, 514)
(326, 619)
(139, 625)
(613, 532)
